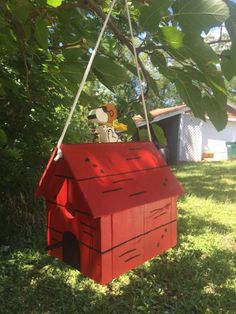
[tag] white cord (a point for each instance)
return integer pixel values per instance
(59, 154)
(138, 71)
(88, 68)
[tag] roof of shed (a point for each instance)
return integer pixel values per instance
(164, 113)
(112, 176)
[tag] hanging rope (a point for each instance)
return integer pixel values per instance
(88, 68)
(138, 71)
(86, 73)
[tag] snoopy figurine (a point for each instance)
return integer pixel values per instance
(106, 117)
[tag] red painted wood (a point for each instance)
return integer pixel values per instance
(139, 250)
(116, 218)
(109, 195)
(89, 160)
(160, 240)
(128, 256)
(159, 213)
(50, 185)
(127, 225)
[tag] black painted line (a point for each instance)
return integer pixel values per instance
(123, 180)
(53, 229)
(138, 193)
(135, 148)
(84, 224)
(88, 246)
(111, 175)
(138, 236)
(112, 190)
(133, 158)
(88, 233)
(160, 215)
(159, 209)
(132, 257)
(72, 209)
(156, 213)
(65, 177)
(118, 245)
(127, 252)
(54, 239)
(54, 246)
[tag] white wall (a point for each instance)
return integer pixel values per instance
(212, 140)
(190, 138)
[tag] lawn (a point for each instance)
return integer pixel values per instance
(197, 276)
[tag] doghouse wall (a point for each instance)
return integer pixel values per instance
(105, 248)
(136, 235)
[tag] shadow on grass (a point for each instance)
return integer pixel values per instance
(195, 225)
(185, 280)
(33, 282)
(216, 179)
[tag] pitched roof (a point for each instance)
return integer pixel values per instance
(163, 113)
(112, 177)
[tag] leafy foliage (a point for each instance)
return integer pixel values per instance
(45, 46)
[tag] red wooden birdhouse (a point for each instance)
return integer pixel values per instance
(110, 207)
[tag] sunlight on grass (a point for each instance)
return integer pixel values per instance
(197, 276)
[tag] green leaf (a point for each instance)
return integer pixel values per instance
(191, 95)
(215, 80)
(216, 114)
(87, 100)
(172, 36)
(158, 59)
(41, 33)
(132, 129)
(230, 23)
(54, 3)
(200, 52)
(143, 134)
(20, 10)
(159, 134)
(104, 80)
(152, 83)
(152, 13)
(109, 71)
(199, 15)
(73, 54)
(228, 62)
(73, 71)
(3, 138)
(131, 68)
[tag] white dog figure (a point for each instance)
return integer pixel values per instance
(106, 117)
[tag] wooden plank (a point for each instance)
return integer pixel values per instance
(160, 240)
(159, 213)
(127, 224)
(99, 160)
(127, 256)
(110, 195)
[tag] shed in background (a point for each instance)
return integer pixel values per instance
(190, 138)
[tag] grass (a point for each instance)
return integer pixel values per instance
(197, 276)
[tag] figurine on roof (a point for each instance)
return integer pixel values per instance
(108, 126)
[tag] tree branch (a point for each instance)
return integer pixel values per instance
(94, 7)
(218, 41)
(77, 44)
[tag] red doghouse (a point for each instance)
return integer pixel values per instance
(110, 207)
